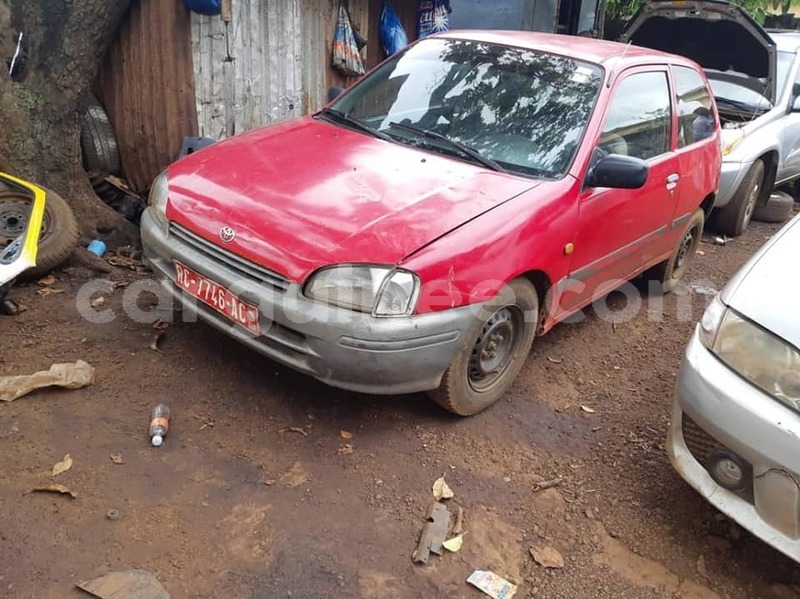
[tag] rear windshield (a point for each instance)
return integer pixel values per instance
(522, 109)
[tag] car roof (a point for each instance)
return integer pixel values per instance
(785, 40)
(581, 48)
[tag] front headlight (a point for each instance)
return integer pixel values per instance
(378, 290)
(764, 359)
(709, 323)
(157, 200)
(730, 139)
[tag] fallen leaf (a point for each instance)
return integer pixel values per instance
(294, 429)
(48, 280)
(554, 360)
(441, 490)
(45, 291)
(97, 302)
(155, 341)
(54, 488)
(160, 325)
(117, 458)
(346, 434)
(270, 482)
(546, 556)
(587, 409)
(63, 465)
(454, 544)
(346, 449)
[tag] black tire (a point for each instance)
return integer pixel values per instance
(778, 209)
(671, 271)
(508, 320)
(59, 229)
(98, 142)
(733, 218)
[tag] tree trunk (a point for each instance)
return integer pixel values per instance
(65, 41)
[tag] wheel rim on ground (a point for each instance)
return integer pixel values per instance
(495, 348)
(14, 214)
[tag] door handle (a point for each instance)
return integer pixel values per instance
(672, 181)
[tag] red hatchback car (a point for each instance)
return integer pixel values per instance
(459, 200)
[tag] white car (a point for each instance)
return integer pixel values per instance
(755, 77)
(735, 430)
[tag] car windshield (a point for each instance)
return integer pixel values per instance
(507, 108)
(731, 95)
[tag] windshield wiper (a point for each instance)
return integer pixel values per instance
(742, 106)
(343, 117)
(463, 148)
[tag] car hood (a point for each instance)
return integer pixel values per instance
(715, 34)
(767, 289)
(306, 194)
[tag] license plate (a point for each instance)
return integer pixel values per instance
(218, 297)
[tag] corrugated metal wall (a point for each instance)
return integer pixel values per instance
(147, 86)
(274, 66)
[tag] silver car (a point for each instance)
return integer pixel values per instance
(735, 430)
(755, 76)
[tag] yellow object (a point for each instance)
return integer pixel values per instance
(568, 249)
(30, 243)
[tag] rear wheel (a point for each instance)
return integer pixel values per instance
(733, 218)
(495, 350)
(668, 273)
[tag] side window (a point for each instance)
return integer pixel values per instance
(638, 119)
(695, 118)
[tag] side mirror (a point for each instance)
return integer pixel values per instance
(619, 172)
(334, 92)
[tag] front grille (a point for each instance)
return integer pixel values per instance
(699, 442)
(244, 267)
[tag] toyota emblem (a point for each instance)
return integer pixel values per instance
(227, 234)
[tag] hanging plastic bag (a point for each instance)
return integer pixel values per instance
(393, 36)
(204, 7)
(433, 16)
(345, 48)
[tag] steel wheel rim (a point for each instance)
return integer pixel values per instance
(751, 203)
(494, 349)
(14, 215)
(686, 246)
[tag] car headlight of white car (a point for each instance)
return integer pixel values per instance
(730, 139)
(378, 290)
(753, 352)
(157, 200)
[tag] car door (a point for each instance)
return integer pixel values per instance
(789, 167)
(622, 230)
(697, 143)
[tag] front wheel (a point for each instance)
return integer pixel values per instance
(494, 351)
(733, 218)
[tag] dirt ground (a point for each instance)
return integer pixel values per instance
(235, 504)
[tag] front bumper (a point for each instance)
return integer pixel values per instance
(714, 408)
(730, 179)
(340, 347)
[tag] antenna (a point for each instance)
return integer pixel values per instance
(621, 56)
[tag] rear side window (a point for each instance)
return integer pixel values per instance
(695, 117)
(638, 119)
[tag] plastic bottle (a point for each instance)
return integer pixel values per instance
(159, 424)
